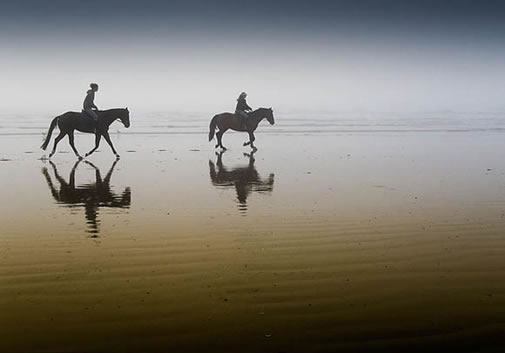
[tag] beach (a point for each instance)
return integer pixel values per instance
(342, 232)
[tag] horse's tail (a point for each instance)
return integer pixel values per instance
(212, 127)
(50, 132)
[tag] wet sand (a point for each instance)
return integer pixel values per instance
(319, 242)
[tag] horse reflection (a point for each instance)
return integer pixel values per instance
(244, 179)
(92, 196)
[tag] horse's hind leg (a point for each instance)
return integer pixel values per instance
(219, 136)
(56, 140)
(98, 136)
(71, 141)
(248, 142)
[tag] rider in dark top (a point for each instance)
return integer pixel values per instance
(88, 106)
(242, 109)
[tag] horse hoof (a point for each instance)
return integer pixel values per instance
(244, 144)
(216, 146)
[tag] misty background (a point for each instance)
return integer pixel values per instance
(292, 55)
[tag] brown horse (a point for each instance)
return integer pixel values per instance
(71, 121)
(225, 121)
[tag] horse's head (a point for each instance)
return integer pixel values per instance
(269, 114)
(124, 116)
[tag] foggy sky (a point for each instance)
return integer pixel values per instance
(292, 55)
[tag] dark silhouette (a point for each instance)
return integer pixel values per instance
(91, 197)
(244, 179)
(242, 109)
(71, 121)
(88, 106)
(225, 121)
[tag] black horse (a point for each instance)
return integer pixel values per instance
(225, 121)
(91, 197)
(71, 121)
(244, 179)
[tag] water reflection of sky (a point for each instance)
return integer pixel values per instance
(286, 122)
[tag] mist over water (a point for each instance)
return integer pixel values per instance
(330, 56)
(288, 123)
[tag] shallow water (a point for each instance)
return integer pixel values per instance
(348, 235)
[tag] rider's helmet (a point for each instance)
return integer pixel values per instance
(93, 86)
(243, 95)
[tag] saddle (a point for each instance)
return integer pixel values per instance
(242, 119)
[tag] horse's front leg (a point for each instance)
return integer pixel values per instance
(56, 140)
(248, 142)
(251, 140)
(98, 136)
(219, 136)
(107, 138)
